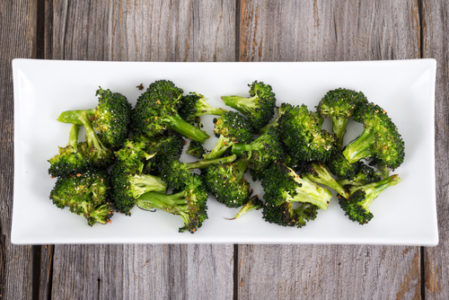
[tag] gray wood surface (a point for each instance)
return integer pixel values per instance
(17, 39)
(224, 30)
(319, 30)
(138, 30)
(436, 44)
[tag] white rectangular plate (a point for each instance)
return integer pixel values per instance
(403, 214)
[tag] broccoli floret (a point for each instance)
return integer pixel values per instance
(280, 110)
(290, 214)
(261, 152)
(283, 185)
(364, 175)
(110, 118)
(194, 106)
(231, 128)
(340, 105)
(227, 184)
(175, 172)
(341, 167)
(189, 203)
(356, 207)
(84, 194)
(69, 160)
(155, 112)
(303, 137)
(128, 186)
(259, 107)
(380, 138)
(195, 149)
(253, 203)
(133, 154)
(317, 172)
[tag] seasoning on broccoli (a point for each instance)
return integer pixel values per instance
(84, 194)
(230, 128)
(156, 111)
(303, 137)
(339, 105)
(110, 118)
(259, 107)
(227, 183)
(356, 207)
(380, 138)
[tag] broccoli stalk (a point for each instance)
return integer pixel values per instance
(361, 147)
(319, 174)
(356, 207)
(195, 105)
(220, 147)
(201, 164)
(178, 124)
(253, 203)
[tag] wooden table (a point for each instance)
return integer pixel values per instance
(227, 30)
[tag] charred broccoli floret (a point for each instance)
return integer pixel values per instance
(110, 118)
(189, 203)
(364, 175)
(341, 167)
(259, 107)
(339, 105)
(231, 128)
(84, 194)
(261, 152)
(70, 159)
(227, 183)
(356, 207)
(284, 188)
(302, 135)
(380, 138)
(194, 105)
(156, 111)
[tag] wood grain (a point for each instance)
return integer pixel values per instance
(141, 30)
(324, 30)
(436, 45)
(17, 39)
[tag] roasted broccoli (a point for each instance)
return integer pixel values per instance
(110, 118)
(230, 128)
(193, 106)
(253, 203)
(356, 207)
(156, 111)
(189, 203)
(227, 183)
(283, 189)
(340, 105)
(84, 194)
(261, 152)
(317, 172)
(195, 149)
(380, 138)
(303, 137)
(364, 175)
(70, 159)
(259, 107)
(341, 167)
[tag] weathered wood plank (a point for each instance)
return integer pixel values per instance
(436, 45)
(143, 30)
(17, 39)
(324, 30)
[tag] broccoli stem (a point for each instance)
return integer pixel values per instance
(247, 105)
(372, 190)
(253, 203)
(175, 203)
(220, 147)
(73, 136)
(73, 116)
(207, 162)
(239, 149)
(140, 184)
(339, 128)
(360, 147)
(204, 108)
(310, 192)
(186, 129)
(322, 176)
